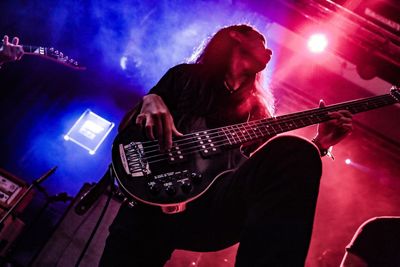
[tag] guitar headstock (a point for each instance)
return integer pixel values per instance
(54, 55)
(395, 93)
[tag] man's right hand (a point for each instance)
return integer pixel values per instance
(10, 51)
(158, 121)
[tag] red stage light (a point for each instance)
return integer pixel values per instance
(317, 43)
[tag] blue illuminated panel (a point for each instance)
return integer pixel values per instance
(89, 131)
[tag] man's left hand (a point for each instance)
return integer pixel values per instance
(332, 132)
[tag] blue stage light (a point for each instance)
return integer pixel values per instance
(89, 131)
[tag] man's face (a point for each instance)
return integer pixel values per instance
(256, 52)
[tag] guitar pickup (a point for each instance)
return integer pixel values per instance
(208, 150)
(175, 155)
(206, 144)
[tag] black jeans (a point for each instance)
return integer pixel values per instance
(267, 204)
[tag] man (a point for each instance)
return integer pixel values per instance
(375, 244)
(267, 203)
(10, 51)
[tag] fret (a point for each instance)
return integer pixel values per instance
(259, 128)
(246, 129)
(261, 132)
(226, 135)
(287, 126)
(278, 130)
(233, 134)
(263, 128)
(240, 134)
(269, 127)
(253, 128)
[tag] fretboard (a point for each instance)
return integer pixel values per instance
(259, 129)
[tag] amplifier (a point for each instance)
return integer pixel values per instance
(11, 188)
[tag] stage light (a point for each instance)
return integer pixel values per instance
(348, 161)
(89, 131)
(122, 62)
(317, 43)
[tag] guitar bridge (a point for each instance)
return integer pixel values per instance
(132, 159)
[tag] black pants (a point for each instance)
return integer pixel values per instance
(268, 205)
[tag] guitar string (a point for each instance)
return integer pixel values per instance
(263, 121)
(238, 129)
(194, 149)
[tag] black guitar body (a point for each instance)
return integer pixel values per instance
(170, 179)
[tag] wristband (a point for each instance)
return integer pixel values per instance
(323, 151)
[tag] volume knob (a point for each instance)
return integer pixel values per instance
(196, 177)
(170, 190)
(154, 189)
(186, 187)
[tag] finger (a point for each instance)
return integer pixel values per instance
(159, 129)
(347, 126)
(167, 132)
(321, 103)
(20, 53)
(345, 120)
(346, 113)
(149, 128)
(140, 119)
(5, 40)
(15, 41)
(334, 115)
(175, 132)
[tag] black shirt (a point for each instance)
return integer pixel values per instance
(189, 92)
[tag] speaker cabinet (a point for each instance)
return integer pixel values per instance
(66, 244)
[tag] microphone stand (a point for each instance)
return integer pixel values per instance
(35, 183)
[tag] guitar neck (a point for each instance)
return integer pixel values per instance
(259, 129)
(35, 50)
(52, 54)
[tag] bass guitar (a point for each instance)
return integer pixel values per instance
(174, 178)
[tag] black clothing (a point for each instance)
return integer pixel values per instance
(267, 204)
(377, 242)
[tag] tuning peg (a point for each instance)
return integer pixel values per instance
(61, 54)
(56, 52)
(51, 49)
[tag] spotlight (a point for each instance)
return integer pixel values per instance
(122, 62)
(317, 43)
(348, 161)
(89, 131)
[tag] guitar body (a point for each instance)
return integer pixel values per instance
(171, 179)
